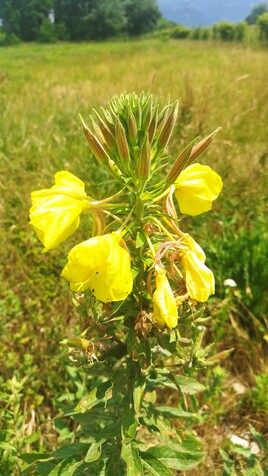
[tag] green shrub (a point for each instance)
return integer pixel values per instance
(224, 31)
(181, 32)
(262, 23)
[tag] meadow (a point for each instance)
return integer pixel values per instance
(43, 88)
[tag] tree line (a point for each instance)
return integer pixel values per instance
(76, 20)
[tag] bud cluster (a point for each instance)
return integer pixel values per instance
(130, 136)
(137, 248)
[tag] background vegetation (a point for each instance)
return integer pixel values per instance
(42, 90)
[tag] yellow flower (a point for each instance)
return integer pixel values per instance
(165, 309)
(55, 212)
(196, 188)
(101, 265)
(199, 278)
(195, 247)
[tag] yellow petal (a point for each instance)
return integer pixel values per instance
(195, 247)
(55, 212)
(101, 265)
(199, 278)
(55, 219)
(165, 308)
(196, 188)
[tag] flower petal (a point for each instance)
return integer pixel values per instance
(196, 188)
(55, 219)
(199, 278)
(101, 265)
(55, 212)
(165, 308)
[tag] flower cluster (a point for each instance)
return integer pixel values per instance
(141, 232)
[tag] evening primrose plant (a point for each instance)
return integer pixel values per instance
(138, 282)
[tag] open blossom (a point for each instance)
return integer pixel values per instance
(165, 309)
(101, 265)
(197, 187)
(55, 212)
(199, 278)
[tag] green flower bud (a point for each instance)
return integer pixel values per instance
(145, 159)
(121, 141)
(168, 126)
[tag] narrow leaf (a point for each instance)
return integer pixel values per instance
(99, 394)
(131, 456)
(156, 467)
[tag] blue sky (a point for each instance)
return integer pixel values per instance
(206, 12)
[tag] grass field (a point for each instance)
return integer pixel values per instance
(42, 91)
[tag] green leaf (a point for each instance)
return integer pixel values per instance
(140, 239)
(138, 391)
(156, 467)
(259, 438)
(102, 393)
(33, 457)
(4, 445)
(130, 454)
(255, 471)
(115, 308)
(188, 385)
(173, 459)
(67, 467)
(74, 449)
(228, 466)
(32, 438)
(172, 412)
(41, 468)
(129, 419)
(94, 451)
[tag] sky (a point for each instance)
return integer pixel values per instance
(206, 12)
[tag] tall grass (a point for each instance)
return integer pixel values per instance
(42, 90)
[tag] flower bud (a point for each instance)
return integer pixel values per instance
(179, 164)
(168, 126)
(95, 145)
(121, 141)
(152, 127)
(199, 148)
(132, 127)
(106, 132)
(145, 159)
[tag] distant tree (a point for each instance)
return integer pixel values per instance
(224, 31)
(163, 24)
(181, 32)
(141, 16)
(263, 26)
(256, 12)
(239, 31)
(107, 19)
(24, 17)
(75, 16)
(77, 19)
